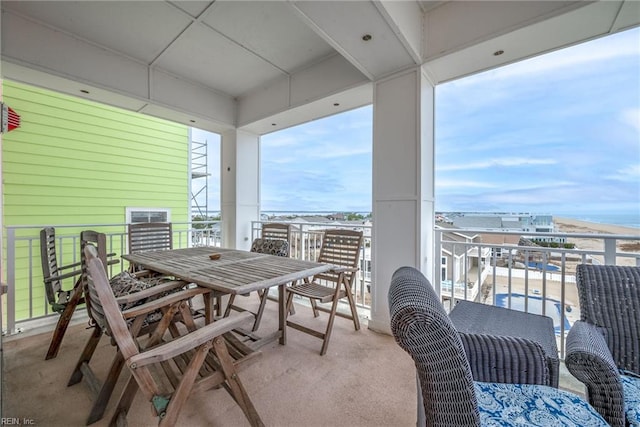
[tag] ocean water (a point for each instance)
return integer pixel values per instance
(624, 219)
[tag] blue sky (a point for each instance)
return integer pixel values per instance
(559, 133)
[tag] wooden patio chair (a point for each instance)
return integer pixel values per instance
(63, 302)
(278, 247)
(166, 372)
(130, 290)
(342, 249)
(149, 236)
(277, 231)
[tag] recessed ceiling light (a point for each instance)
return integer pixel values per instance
(367, 37)
(84, 91)
(273, 124)
(336, 104)
(192, 121)
(498, 52)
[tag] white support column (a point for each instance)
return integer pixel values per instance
(403, 183)
(240, 187)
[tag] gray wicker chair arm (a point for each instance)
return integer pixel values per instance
(589, 360)
(502, 359)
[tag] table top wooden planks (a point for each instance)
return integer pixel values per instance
(235, 271)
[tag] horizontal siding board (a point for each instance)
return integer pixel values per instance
(35, 101)
(74, 161)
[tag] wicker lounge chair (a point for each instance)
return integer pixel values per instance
(603, 348)
(448, 396)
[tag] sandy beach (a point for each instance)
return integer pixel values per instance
(551, 287)
(568, 225)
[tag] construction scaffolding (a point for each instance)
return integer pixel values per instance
(199, 169)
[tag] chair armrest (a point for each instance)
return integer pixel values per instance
(157, 304)
(503, 359)
(189, 342)
(340, 269)
(589, 360)
(150, 292)
(62, 276)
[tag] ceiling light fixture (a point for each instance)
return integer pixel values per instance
(273, 124)
(498, 52)
(367, 37)
(192, 121)
(84, 91)
(336, 104)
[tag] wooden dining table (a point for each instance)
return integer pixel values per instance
(233, 271)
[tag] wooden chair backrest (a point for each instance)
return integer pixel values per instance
(99, 242)
(103, 303)
(276, 230)
(52, 274)
(150, 236)
(340, 247)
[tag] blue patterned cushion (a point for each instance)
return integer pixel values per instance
(533, 405)
(631, 389)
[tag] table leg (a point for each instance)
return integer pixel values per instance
(282, 313)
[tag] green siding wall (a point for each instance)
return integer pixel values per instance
(74, 161)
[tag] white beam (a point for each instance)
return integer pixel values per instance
(67, 64)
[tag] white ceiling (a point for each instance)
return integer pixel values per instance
(264, 65)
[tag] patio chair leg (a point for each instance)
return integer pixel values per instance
(86, 355)
(352, 305)
(119, 417)
(63, 322)
(97, 411)
(327, 334)
(234, 386)
(260, 312)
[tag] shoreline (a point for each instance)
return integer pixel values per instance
(570, 225)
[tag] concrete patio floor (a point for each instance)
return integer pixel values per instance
(365, 379)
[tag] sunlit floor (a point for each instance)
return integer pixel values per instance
(365, 379)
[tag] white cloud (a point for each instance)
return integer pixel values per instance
(605, 49)
(492, 163)
(630, 173)
(462, 184)
(631, 117)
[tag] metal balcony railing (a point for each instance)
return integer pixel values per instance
(526, 277)
(523, 276)
(25, 299)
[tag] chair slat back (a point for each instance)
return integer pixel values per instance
(103, 302)
(53, 274)
(277, 231)
(340, 247)
(99, 242)
(49, 263)
(422, 328)
(150, 236)
(610, 299)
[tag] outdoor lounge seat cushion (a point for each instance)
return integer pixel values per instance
(276, 247)
(631, 387)
(532, 405)
(126, 283)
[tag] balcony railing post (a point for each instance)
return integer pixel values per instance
(11, 280)
(609, 251)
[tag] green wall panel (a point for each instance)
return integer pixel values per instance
(74, 161)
